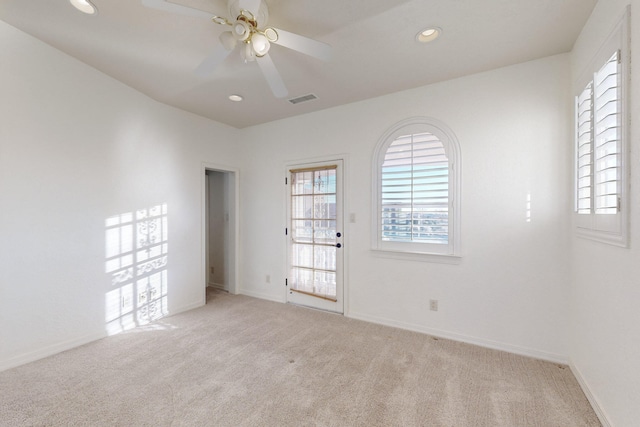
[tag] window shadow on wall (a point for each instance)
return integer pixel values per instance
(136, 261)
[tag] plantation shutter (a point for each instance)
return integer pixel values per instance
(415, 190)
(600, 166)
(584, 150)
(601, 161)
(607, 137)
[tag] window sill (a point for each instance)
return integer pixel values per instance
(418, 256)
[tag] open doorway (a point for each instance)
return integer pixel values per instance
(220, 225)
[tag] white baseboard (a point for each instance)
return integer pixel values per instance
(32, 356)
(23, 359)
(187, 307)
(261, 296)
(509, 348)
(602, 416)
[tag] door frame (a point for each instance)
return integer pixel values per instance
(310, 162)
(234, 227)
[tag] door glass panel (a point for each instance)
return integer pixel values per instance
(325, 206)
(303, 183)
(325, 182)
(303, 255)
(324, 232)
(324, 258)
(303, 207)
(313, 232)
(302, 231)
(324, 283)
(303, 279)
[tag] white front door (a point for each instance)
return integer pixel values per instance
(314, 236)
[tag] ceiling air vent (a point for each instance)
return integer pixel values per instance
(304, 98)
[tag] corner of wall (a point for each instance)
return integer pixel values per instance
(595, 404)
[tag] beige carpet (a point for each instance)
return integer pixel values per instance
(241, 361)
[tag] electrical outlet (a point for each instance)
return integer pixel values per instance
(268, 278)
(433, 305)
(212, 270)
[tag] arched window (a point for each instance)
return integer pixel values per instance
(416, 189)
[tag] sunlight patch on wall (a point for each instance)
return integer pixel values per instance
(136, 260)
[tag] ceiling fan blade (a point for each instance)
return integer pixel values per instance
(167, 6)
(272, 75)
(303, 44)
(211, 62)
(252, 6)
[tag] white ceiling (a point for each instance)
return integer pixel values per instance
(374, 47)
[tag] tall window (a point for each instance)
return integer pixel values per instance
(417, 197)
(600, 164)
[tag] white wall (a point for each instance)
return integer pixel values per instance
(76, 148)
(511, 289)
(605, 333)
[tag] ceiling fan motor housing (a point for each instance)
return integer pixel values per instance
(261, 15)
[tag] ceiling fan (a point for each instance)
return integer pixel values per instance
(249, 33)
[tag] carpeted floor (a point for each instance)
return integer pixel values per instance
(241, 361)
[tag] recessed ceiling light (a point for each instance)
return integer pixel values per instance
(235, 98)
(428, 34)
(84, 6)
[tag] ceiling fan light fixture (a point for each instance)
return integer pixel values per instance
(84, 6)
(260, 44)
(428, 34)
(247, 53)
(241, 30)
